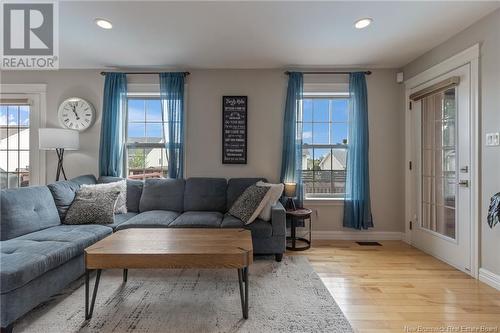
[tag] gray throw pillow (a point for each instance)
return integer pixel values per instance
(92, 208)
(249, 205)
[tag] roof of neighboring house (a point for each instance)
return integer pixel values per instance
(339, 160)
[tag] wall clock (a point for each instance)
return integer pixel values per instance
(76, 113)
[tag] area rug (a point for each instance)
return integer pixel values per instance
(283, 297)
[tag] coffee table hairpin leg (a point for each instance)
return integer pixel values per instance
(88, 311)
(243, 278)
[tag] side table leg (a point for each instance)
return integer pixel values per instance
(125, 274)
(293, 232)
(310, 231)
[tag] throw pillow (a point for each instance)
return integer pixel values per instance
(92, 208)
(250, 203)
(121, 187)
(274, 194)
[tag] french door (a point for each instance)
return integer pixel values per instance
(442, 152)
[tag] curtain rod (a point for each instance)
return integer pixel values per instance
(335, 72)
(142, 73)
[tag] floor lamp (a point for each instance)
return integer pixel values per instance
(58, 139)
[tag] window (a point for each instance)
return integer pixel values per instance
(146, 132)
(14, 143)
(324, 125)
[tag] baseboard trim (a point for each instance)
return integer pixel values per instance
(357, 235)
(489, 278)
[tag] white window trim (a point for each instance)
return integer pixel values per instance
(37, 95)
(153, 90)
(327, 90)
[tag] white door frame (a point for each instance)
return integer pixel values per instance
(468, 56)
(37, 94)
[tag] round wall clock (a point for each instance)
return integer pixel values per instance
(76, 113)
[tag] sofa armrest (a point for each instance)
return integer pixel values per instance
(278, 219)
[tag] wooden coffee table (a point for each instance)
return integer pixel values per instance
(170, 248)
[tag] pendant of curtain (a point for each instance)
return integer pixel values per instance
(112, 142)
(357, 205)
(172, 103)
(291, 158)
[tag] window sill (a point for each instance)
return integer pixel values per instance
(324, 201)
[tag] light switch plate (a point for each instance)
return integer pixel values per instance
(493, 139)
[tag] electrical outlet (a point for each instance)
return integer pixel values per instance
(493, 139)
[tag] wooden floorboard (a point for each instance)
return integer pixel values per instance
(397, 288)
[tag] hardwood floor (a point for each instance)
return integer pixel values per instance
(397, 288)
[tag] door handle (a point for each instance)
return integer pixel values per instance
(464, 183)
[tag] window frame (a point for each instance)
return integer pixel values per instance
(148, 90)
(36, 94)
(324, 91)
(141, 145)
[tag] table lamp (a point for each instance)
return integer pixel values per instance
(290, 192)
(58, 139)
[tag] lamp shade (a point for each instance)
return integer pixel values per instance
(290, 190)
(54, 138)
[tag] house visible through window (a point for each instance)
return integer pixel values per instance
(146, 132)
(324, 127)
(14, 144)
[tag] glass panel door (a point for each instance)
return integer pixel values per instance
(439, 174)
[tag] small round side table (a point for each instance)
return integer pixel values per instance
(296, 215)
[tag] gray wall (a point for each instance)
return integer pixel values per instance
(487, 33)
(266, 91)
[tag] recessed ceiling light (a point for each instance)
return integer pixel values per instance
(105, 24)
(363, 23)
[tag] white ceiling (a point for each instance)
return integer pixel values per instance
(257, 34)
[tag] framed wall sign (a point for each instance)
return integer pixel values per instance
(234, 129)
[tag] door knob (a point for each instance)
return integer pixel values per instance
(464, 183)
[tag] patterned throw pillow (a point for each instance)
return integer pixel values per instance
(92, 208)
(120, 186)
(248, 206)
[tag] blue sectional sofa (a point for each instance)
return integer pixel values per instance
(39, 256)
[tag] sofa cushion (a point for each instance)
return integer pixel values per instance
(121, 218)
(63, 193)
(25, 210)
(236, 187)
(198, 220)
(134, 190)
(162, 194)
(259, 228)
(85, 180)
(150, 219)
(27, 257)
(205, 194)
